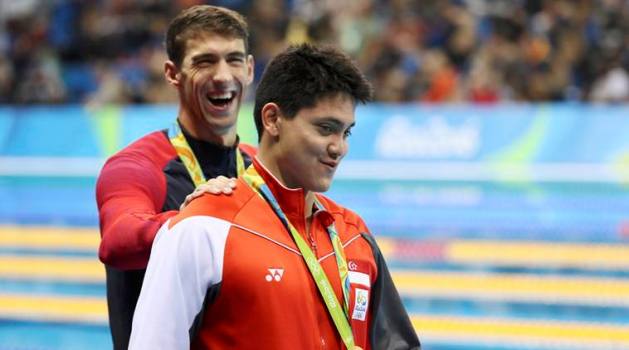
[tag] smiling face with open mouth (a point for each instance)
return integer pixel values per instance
(212, 79)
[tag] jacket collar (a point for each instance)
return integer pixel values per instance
(291, 200)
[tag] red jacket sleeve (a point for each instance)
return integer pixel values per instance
(250, 150)
(130, 194)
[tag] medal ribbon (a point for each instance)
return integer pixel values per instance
(339, 315)
(189, 160)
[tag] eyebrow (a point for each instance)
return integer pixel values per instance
(337, 123)
(236, 54)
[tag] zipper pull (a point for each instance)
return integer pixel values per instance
(313, 243)
(309, 227)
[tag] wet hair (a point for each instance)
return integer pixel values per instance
(203, 19)
(304, 74)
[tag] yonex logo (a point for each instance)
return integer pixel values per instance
(352, 265)
(274, 274)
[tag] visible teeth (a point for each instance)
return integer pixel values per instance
(224, 95)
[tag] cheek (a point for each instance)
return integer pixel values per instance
(198, 77)
(345, 148)
(314, 145)
(299, 151)
(240, 75)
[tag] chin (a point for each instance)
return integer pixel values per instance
(321, 187)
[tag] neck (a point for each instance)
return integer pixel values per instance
(201, 131)
(309, 197)
(270, 163)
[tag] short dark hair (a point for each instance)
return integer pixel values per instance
(304, 74)
(203, 18)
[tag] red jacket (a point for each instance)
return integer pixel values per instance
(226, 273)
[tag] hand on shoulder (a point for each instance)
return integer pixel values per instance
(220, 185)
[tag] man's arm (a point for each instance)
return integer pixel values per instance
(130, 193)
(390, 327)
(185, 261)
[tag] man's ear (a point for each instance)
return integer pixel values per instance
(271, 119)
(172, 73)
(250, 69)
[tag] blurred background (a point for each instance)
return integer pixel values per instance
(493, 167)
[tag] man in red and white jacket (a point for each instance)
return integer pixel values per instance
(276, 265)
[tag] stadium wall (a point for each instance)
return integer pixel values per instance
(544, 171)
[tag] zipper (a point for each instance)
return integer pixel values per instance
(313, 242)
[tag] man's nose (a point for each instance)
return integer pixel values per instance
(337, 147)
(222, 73)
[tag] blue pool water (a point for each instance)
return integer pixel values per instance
(410, 210)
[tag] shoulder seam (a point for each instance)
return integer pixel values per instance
(267, 238)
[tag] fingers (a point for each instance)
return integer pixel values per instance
(221, 184)
(189, 199)
(216, 186)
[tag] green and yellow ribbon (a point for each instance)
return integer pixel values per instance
(189, 160)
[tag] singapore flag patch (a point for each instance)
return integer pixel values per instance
(361, 302)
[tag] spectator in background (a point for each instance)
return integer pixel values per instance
(612, 86)
(143, 185)
(6, 78)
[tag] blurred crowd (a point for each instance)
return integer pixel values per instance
(438, 51)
